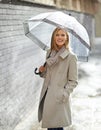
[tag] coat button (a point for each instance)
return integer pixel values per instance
(65, 87)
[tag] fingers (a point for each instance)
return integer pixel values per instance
(41, 69)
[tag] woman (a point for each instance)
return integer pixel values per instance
(60, 73)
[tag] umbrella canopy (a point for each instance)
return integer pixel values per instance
(39, 29)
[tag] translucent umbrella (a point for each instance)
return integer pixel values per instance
(40, 27)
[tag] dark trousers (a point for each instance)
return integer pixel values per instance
(55, 128)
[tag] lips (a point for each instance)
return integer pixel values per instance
(59, 40)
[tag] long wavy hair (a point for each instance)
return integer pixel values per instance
(53, 43)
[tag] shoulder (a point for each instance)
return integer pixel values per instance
(73, 55)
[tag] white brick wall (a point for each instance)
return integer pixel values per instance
(19, 87)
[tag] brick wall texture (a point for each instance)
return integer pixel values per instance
(19, 87)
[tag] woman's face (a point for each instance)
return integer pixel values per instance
(60, 38)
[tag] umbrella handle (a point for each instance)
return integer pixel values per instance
(38, 73)
(35, 71)
(44, 64)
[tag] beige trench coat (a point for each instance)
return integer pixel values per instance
(60, 80)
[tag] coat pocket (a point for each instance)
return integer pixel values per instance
(62, 95)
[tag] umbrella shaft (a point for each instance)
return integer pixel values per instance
(44, 64)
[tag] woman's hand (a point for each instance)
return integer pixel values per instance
(41, 69)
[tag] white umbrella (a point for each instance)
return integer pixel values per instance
(40, 27)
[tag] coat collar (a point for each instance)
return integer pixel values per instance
(64, 54)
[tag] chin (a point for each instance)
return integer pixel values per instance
(61, 45)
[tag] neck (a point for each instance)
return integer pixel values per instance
(59, 47)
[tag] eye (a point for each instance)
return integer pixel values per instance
(62, 35)
(57, 34)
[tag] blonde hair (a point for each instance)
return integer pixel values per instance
(53, 43)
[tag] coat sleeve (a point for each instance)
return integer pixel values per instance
(72, 74)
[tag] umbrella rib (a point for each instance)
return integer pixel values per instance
(35, 20)
(41, 44)
(72, 31)
(82, 41)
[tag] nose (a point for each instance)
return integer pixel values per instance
(59, 36)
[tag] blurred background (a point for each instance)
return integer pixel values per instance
(20, 87)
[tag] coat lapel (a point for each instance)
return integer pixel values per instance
(64, 54)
